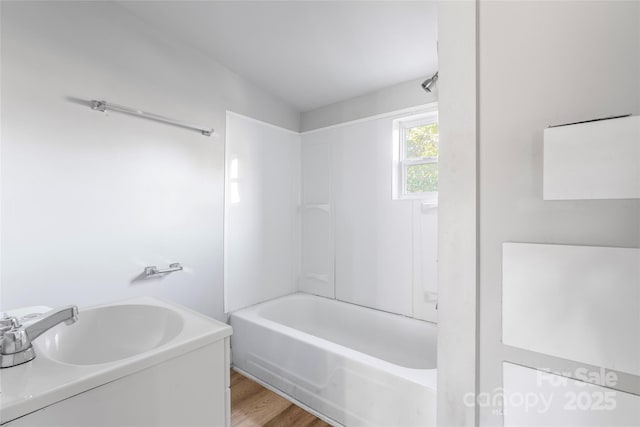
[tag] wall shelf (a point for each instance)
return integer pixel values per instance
(320, 277)
(316, 206)
(593, 160)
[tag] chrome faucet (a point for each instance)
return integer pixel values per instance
(15, 338)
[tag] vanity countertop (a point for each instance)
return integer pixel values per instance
(44, 381)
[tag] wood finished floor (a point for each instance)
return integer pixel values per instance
(254, 406)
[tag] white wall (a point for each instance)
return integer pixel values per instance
(398, 97)
(262, 194)
(457, 228)
(382, 252)
(544, 63)
(88, 199)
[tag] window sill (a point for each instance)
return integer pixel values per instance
(426, 198)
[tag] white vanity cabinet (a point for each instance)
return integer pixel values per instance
(183, 383)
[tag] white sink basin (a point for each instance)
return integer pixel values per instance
(107, 344)
(111, 333)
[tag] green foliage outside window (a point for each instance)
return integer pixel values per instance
(421, 143)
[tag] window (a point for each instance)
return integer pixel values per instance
(416, 157)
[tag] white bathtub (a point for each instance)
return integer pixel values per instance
(352, 364)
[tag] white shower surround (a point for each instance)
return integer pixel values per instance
(300, 217)
(354, 365)
(377, 252)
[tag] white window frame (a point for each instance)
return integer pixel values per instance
(401, 164)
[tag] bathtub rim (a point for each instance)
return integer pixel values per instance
(425, 377)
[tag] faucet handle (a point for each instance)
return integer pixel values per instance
(15, 341)
(8, 325)
(13, 337)
(9, 322)
(4, 329)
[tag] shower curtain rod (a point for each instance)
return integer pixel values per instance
(103, 106)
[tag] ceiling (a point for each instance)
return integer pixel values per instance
(309, 54)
